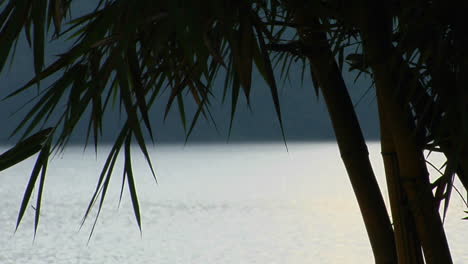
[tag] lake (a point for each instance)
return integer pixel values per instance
(226, 203)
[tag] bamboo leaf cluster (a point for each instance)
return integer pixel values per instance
(128, 53)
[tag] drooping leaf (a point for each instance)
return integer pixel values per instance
(180, 103)
(245, 54)
(131, 182)
(24, 149)
(40, 165)
(264, 66)
(14, 18)
(107, 170)
(132, 114)
(234, 97)
(138, 88)
(39, 18)
(44, 162)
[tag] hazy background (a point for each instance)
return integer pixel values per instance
(305, 115)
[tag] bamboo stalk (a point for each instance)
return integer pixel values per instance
(416, 186)
(377, 46)
(407, 243)
(351, 144)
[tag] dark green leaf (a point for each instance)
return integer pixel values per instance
(39, 19)
(24, 149)
(138, 88)
(264, 63)
(44, 162)
(131, 182)
(41, 164)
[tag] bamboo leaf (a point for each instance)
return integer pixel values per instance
(64, 61)
(245, 58)
(132, 115)
(108, 167)
(39, 19)
(58, 13)
(24, 149)
(227, 80)
(40, 161)
(213, 52)
(124, 177)
(200, 110)
(234, 98)
(269, 77)
(42, 110)
(44, 162)
(104, 187)
(131, 183)
(175, 91)
(138, 88)
(12, 28)
(180, 103)
(6, 12)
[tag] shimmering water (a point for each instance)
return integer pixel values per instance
(213, 204)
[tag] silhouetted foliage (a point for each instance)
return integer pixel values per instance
(129, 52)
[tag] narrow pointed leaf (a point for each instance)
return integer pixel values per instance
(44, 162)
(245, 53)
(39, 19)
(180, 103)
(24, 149)
(108, 165)
(270, 78)
(30, 187)
(234, 98)
(131, 183)
(138, 88)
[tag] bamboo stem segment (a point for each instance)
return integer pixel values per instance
(383, 62)
(351, 144)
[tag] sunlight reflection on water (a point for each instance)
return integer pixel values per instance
(213, 204)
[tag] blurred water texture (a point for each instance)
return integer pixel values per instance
(244, 203)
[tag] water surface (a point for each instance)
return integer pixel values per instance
(251, 203)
